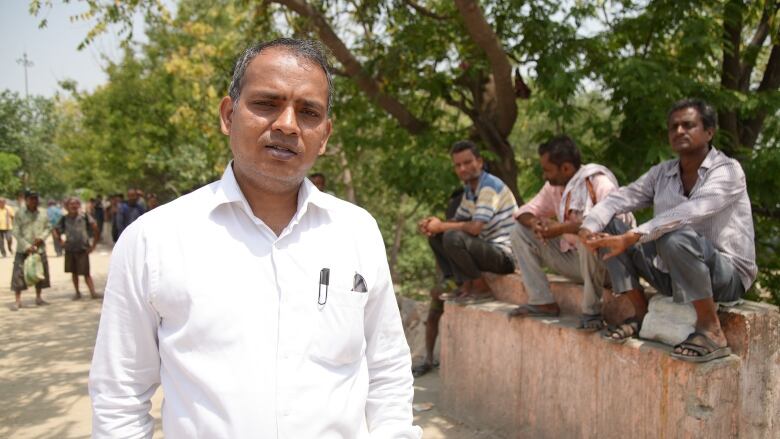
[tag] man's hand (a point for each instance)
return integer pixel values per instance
(617, 244)
(433, 227)
(429, 226)
(31, 249)
(545, 229)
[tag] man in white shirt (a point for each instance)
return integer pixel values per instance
(287, 327)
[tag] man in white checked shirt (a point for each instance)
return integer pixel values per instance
(698, 247)
(286, 325)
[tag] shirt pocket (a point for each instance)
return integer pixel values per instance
(339, 338)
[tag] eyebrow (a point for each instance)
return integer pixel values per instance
(276, 96)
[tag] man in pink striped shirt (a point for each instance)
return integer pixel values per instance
(546, 231)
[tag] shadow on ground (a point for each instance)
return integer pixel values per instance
(34, 343)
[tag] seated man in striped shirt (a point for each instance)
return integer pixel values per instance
(697, 248)
(570, 192)
(477, 239)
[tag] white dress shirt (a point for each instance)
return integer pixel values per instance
(204, 298)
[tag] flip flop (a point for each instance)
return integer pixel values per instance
(706, 349)
(591, 323)
(607, 333)
(528, 310)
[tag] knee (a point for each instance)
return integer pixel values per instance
(616, 226)
(675, 242)
(453, 239)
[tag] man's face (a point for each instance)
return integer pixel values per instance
(556, 175)
(467, 166)
(73, 207)
(132, 197)
(2, 204)
(686, 131)
(32, 203)
(280, 123)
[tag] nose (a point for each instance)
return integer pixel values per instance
(286, 122)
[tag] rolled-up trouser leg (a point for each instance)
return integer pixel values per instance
(531, 255)
(593, 272)
(626, 268)
(698, 270)
(470, 255)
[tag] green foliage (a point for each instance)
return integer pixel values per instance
(28, 156)
(603, 72)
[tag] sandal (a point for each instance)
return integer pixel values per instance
(591, 323)
(633, 324)
(528, 310)
(703, 346)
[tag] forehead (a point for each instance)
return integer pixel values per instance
(463, 156)
(277, 68)
(684, 114)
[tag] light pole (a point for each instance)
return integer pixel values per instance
(25, 62)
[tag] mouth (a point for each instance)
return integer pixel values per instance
(281, 152)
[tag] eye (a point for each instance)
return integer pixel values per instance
(311, 113)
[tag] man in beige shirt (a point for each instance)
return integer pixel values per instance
(6, 225)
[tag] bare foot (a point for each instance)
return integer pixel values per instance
(76, 296)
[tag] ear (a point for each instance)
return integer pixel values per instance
(226, 115)
(567, 168)
(710, 134)
(328, 131)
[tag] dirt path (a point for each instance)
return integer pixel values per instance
(45, 354)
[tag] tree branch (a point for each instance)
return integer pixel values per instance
(484, 37)
(770, 82)
(730, 71)
(423, 11)
(370, 86)
(754, 47)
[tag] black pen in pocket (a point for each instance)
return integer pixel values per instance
(324, 281)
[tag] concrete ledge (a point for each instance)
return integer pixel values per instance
(541, 378)
(509, 288)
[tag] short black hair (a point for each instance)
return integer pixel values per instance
(462, 145)
(560, 150)
(310, 50)
(709, 117)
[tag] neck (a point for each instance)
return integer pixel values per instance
(274, 208)
(474, 182)
(692, 161)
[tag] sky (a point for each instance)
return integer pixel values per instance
(52, 50)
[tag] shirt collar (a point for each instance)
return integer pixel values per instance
(228, 192)
(709, 161)
(470, 193)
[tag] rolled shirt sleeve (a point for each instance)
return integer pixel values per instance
(390, 388)
(635, 196)
(125, 368)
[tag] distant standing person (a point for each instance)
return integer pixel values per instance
(77, 228)
(30, 232)
(113, 209)
(54, 214)
(129, 211)
(6, 226)
(99, 214)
